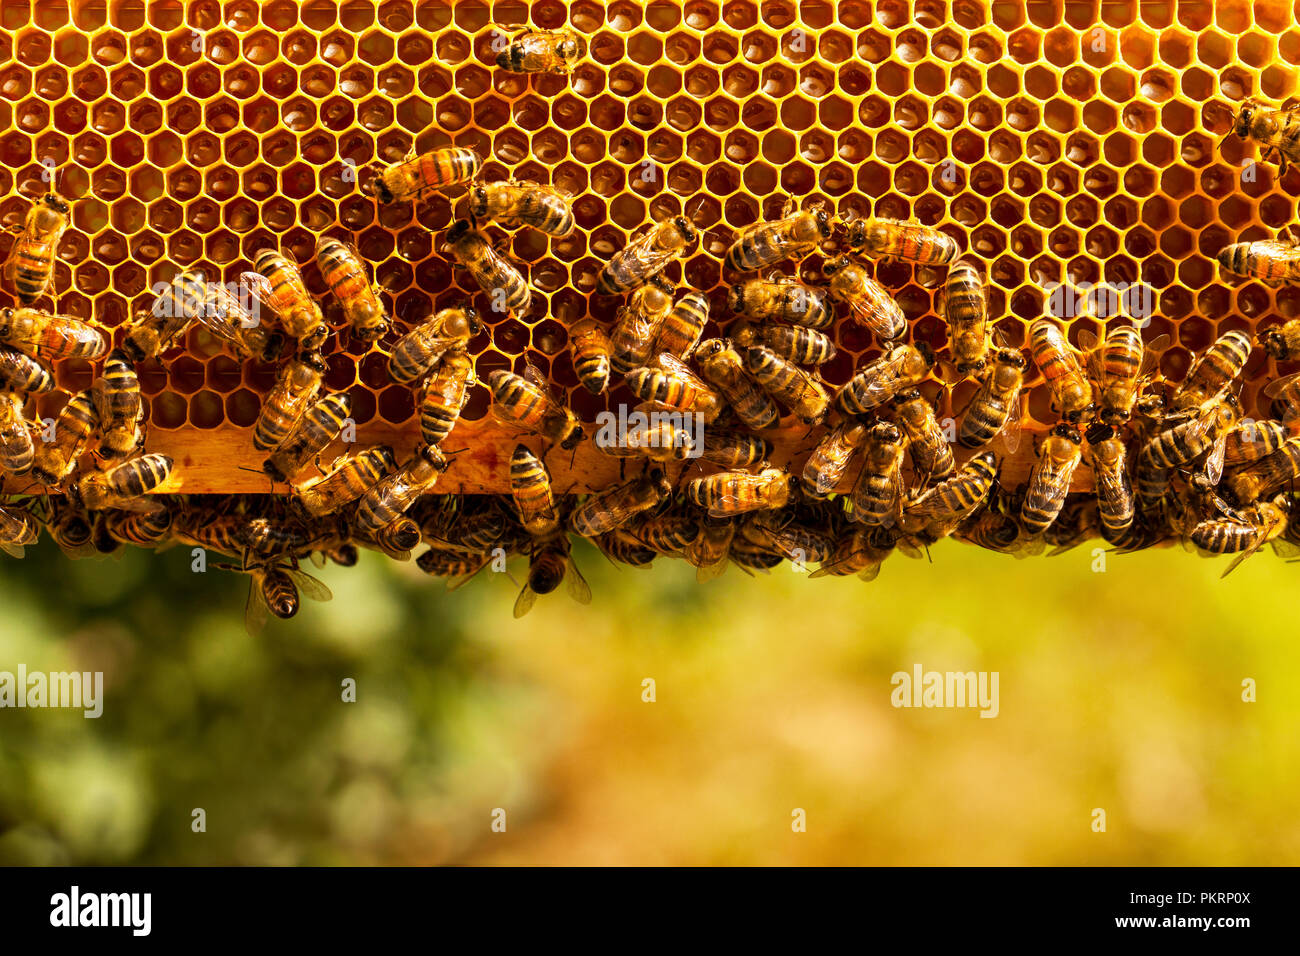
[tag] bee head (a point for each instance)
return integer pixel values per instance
(926, 353)
(1274, 343)
(1068, 431)
(387, 457)
(906, 397)
(457, 230)
(1099, 432)
(345, 555)
(55, 202)
(977, 366)
(886, 433)
(832, 266)
(1013, 357)
(434, 456)
(684, 228)
(823, 220)
(659, 481)
(572, 439)
(1244, 117)
(313, 360)
(709, 348)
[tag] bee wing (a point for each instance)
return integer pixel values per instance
(1087, 340)
(13, 550)
(1276, 387)
(830, 567)
(1255, 546)
(1284, 548)
(524, 603)
(709, 572)
(882, 387)
(311, 587)
(579, 589)
(1011, 428)
(1214, 462)
(1110, 488)
(1151, 355)
(255, 610)
(261, 288)
(533, 375)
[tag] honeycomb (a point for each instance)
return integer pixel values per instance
(1058, 142)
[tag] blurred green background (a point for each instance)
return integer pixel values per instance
(1119, 690)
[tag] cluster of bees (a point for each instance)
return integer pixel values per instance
(1168, 461)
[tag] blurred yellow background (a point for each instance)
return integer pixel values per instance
(1119, 690)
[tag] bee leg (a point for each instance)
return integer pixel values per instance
(788, 209)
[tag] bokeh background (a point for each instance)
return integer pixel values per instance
(1119, 690)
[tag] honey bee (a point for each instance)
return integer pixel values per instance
(1107, 458)
(992, 530)
(782, 299)
(1252, 440)
(445, 396)
(69, 527)
(732, 449)
(1191, 438)
(22, 373)
(530, 486)
(869, 304)
(344, 272)
(390, 497)
(1267, 476)
(395, 540)
(508, 289)
(122, 486)
(646, 255)
(651, 433)
(637, 325)
(877, 382)
(932, 458)
(1262, 523)
(785, 535)
(680, 331)
(294, 391)
(1273, 262)
(830, 460)
(1285, 393)
(550, 563)
(1059, 363)
(606, 510)
(709, 552)
(750, 557)
(73, 429)
(1049, 480)
(1213, 372)
(730, 493)
(668, 532)
(278, 283)
(144, 530)
(30, 265)
(878, 493)
(348, 479)
(722, 367)
(51, 337)
(900, 239)
(956, 498)
(17, 452)
(1119, 367)
(966, 311)
(525, 401)
(1282, 342)
(512, 204)
(419, 350)
(859, 552)
(458, 568)
(794, 235)
(591, 349)
(119, 407)
(671, 382)
(318, 426)
(798, 344)
(790, 385)
(18, 528)
(542, 51)
(1274, 130)
(276, 587)
(151, 332)
(416, 175)
(239, 326)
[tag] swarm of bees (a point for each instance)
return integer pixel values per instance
(1168, 460)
